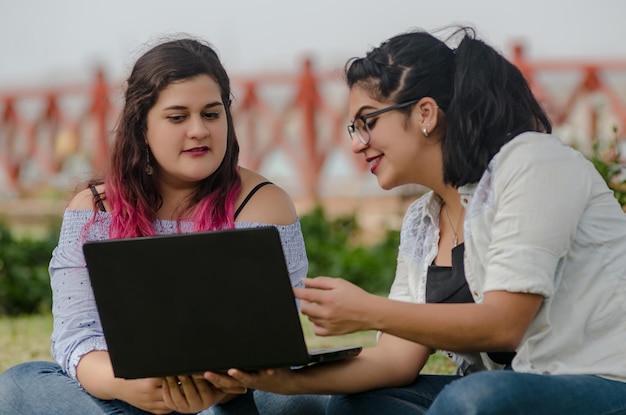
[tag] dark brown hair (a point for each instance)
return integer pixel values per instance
(133, 195)
(486, 100)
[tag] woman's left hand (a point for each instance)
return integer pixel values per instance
(193, 394)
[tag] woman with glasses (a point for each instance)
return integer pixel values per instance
(513, 264)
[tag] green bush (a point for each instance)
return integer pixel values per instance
(24, 280)
(25, 283)
(332, 251)
(610, 168)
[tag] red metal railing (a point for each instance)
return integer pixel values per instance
(306, 127)
(595, 93)
(56, 136)
(38, 133)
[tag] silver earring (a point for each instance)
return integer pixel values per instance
(149, 169)
(425, 131)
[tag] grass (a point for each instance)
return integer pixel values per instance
(27, 338)
(24, 338)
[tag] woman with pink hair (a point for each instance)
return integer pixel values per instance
(173, 169)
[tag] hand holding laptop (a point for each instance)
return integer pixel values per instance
(193, 394)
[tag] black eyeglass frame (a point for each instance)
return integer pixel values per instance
(353, 130)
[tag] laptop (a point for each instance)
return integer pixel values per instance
(209, 301)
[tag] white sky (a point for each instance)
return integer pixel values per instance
(60, 41)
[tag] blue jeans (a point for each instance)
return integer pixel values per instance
(264, 403)
(412, 399)
(496, 392)
(41, 388)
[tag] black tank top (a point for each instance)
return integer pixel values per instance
(448, 285)
(248, 196)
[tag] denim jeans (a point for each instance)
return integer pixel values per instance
(497, 392)
(41, 388)
(412, 399)
(264, 403)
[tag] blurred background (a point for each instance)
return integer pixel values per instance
(64, 61)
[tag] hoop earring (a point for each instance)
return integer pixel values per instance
(425, 131)
(149, 169)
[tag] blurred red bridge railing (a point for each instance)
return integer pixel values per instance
(290, 126)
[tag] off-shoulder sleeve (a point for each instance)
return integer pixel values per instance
(292, 241)
(77, 329)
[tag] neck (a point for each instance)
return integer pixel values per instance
(450, 197)
(452, 214)
(173, 201)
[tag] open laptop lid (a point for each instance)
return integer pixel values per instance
(187, 303)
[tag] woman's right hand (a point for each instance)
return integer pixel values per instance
(145, 394)
(193, 394)
(95, 374)
(335, 306)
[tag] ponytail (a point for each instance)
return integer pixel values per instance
(491, 104)
(485, 98)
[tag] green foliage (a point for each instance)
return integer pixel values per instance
(24, 281)
(332, 251)
(612, 171)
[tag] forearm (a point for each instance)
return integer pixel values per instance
(352, 376)
(393, 362)
(229, 397)
(495, 325)
(95, 374)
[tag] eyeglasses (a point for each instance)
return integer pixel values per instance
(360, 127)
